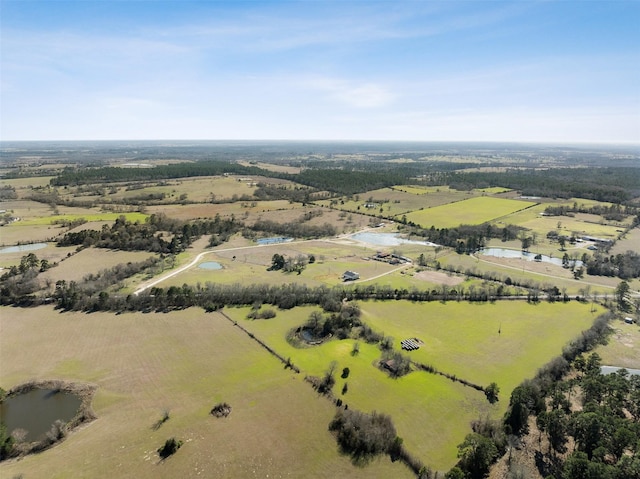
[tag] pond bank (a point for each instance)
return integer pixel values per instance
(84, 414)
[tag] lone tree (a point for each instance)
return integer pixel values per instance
(170, 447)
(622, 293)
(492, 391)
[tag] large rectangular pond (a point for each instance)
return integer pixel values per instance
(386, 239)
(23, 247)
(527, 256)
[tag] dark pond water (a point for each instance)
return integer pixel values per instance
(36, 410)
(308, 336)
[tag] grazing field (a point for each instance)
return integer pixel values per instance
(397, 200)
(432, 413)
(89, 215)
(184, 363)
(473, 211)
(90, 261)
(623, 346)
(504, 342)
(51, 253)
(208, 210)
(579, 225)
(545, 274)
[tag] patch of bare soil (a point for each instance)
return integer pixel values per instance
(524, 457)
(439, 277)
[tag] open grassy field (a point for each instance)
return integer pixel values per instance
(184, 362)
(88, 215)
(579, 225)
(208, 210)
(398, 200)
(432, 413)
(623, 346)
(90, 261)
(51, 253)
(474, 211)
(503, 342)
(545, 274)
(24, 186)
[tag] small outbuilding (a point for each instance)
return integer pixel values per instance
(350, 276)
(628, 320)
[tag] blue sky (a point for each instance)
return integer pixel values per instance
(556, 71)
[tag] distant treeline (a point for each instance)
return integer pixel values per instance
(615, 185)
(80, 176)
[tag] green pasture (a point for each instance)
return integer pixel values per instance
(239, 209)
(90, 216)
(543, 274)
(422, 190)
(397, 200)
(623, 345)
(504, 342)
(27, 183)
(431, 413)
(475, 211)
(183, 363)
(580, 224)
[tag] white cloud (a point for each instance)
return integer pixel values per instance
(352, 93)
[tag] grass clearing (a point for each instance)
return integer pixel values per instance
(470, 211)
(90, 261)
(184, 362)
(431, 413)
(397, 200)
(623, 346)
(504, 342)
(88, 216)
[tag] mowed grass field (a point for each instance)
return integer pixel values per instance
(398, 200)
(473, 211)
(184, 362)
(623, 346)
(91, 261)
(432, 413)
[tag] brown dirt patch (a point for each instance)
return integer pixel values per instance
(439, 277)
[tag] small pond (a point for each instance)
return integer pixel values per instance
(514, 253)
(23, 247)
(35, 411)
(386, 239)
(279, 239)
(613, 369)
(211, 265)
(310, 338)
